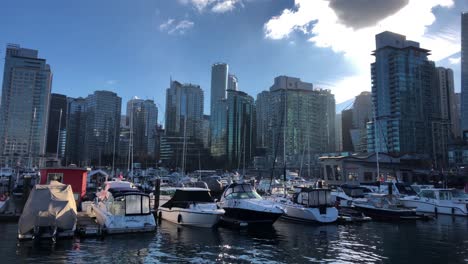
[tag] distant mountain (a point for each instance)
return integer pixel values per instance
(344, 105)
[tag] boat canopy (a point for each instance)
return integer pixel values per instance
(183, 198)
(49, 205)
(315, 197)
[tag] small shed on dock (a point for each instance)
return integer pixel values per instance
(76, 177)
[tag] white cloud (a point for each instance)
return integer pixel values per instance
(216, 6)
(318, 20)
(174, 27)
(455, 60)
(111, 82)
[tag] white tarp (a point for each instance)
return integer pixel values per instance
(49, 205)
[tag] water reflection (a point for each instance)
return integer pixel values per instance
(442, 240)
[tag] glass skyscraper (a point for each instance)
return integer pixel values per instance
(218, 114)
(306, 115)
(76, 132)
(103, 109)
(404, 96)
(240, 129)
(57, 116)
(27, 82)
(143, 115)
(464, 75)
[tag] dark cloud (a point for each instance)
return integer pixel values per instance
(364, 13)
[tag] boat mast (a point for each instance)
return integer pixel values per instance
(284, 136)
(184, 148)
(377, 149)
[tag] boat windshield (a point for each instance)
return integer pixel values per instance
(132, 204)
(243, 191)
(459, 194)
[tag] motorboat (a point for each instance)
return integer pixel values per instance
(438, 201)
(121, 208)
(384, 207)
(49, 212)
(346, 194)
(244, 207)
(309, 205)
(191, 207)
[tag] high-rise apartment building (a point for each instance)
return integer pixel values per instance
(76, 132)
(182, 144)
(405, 99)
(218, 113)
(57, 117)
(103, 109)
(464, 75)
(142, 118)
(240, 129)
(27, 82)
(262, 106)
(303, 116)
(448, 106)
(232, 82)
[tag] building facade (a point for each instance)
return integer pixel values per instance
(57, 125)
(406, 100)
(240, 129)
(448, 106)
(24, 111)
(142, 120)
(301, 121)
(464, 75)
(103, 109)
(76, 132)
(218, 114)
(183, 126)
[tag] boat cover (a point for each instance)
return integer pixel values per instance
(49, 205)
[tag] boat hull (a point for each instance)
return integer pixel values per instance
(250, 216)
(310, 215)
(387, 214)
(186, 217)
(114, 224)
(422, 206)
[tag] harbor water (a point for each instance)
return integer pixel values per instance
(442, 240)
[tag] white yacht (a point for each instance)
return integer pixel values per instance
(243, 206)
(191, 207)
(309, 205)
(438, 201)
(121, 208)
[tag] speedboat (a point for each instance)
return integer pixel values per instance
(438, 201)
(244, 207)
(191, 207)
(384, 207)
(49, 212)
(121, 208)
(309, 205)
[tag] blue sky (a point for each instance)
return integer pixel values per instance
(134, 47)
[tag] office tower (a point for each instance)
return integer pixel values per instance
(57, 117)
(346, 127)
(103, 109)
(405, 102)
(142, 118)
(206, 131)
(218, 114)
(184, 110)
(183, 127)
(464, 75)
(456, 108)
(27, 82)
(448, 106)
(262, 106)
(76, 132)
(240, 129)
(304, 116)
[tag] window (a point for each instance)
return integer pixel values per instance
(54, 177)
(367, 176)
(427, 194)
(352, 176)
